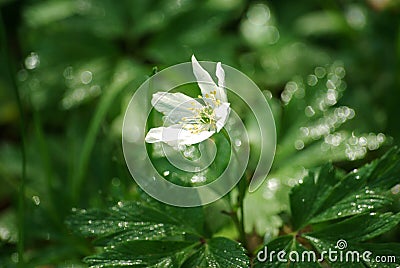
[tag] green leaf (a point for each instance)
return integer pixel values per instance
(135, 221)
(190, 218)
(350, 231)
(342, 208)
(307, 197)
(219, 252)
(141, 234)
(142, 254)
(359, 202)
(323, 196)
(152, 234)
(132, 221)
(358, 228)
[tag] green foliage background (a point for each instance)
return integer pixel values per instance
(75, 65)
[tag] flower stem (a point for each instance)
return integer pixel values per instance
(241, 186)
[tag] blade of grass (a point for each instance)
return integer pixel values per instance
(47, 166)
(122, 77)
(21, 190)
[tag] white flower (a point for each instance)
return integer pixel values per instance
(190, 121)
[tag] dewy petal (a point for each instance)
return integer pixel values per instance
(204, 80)
(222, 113)
(175, 135)
(195, 138)
(220, 73)
(221, 92)
(168, 135)
(174, 105)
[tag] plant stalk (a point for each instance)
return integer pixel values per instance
(21, 189)
(241, 186)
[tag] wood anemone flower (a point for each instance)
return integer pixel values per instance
(188, 120)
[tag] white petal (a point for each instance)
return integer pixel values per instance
(175, 135)
(191, 138)
(154, 135)
(206, 83)
(174, 105)
(221, 92)
(220, 73)
(222, 112)
(204, 80)
(168, 135)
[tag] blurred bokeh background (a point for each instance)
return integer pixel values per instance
(330, 70)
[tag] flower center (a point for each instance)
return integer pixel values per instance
(207, 115)
(204, 118)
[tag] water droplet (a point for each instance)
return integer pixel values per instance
(188, 152)
(238, 142)
(299, 145)
(36, 200)
(396, 189)
(123, 224)
(330, 84)
(94, 90)
(287, 94)
(312, 80)
(115, 182)
(273, 184)
(305, 131)
(362, 141)
(381, 137)
(258, 14)
(356, 17)
(331, 97)
(197, 169)
(166, 173)
(68, 73)
(198, 178)
(32, 61)
(320, 72)
(309, 111)
(340, 72)
(267, 94)
(86, 77)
